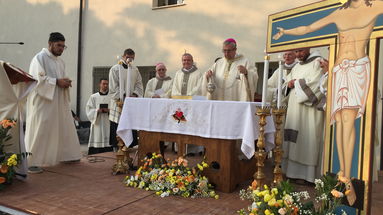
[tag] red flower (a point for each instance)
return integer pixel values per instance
(179, 114)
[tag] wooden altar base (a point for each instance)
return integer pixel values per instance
(225, 170)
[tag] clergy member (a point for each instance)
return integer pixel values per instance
(159, 86)
(125, 81)
(50, 133)
(187, 81)
(272, 84)
(304, 123)
(234, 77)
(97, 111)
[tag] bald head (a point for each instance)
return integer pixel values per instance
(302, 54)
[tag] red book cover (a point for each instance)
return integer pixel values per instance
(17, 75)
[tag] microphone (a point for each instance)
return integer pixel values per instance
(11, 43)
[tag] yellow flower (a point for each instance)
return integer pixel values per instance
(280, 202)
(12, 161)
(216, 196)
(272, 202)
(205, 164)
(267, 212)
(267, 198)
(274, 191)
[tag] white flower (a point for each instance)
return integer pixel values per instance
(175, 190)
(318, 184)
(254, 206)
(282, 211)
(288, 199)
(164, 194)
(305, 195)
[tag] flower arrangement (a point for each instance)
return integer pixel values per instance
(282, 200)
(7, 160)
(171, 178)
(179, 116)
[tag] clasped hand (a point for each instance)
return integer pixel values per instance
(64, 82)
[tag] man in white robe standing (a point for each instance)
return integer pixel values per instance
(159, 86)
(15, 85)
(187, 81)
(50, 133)
(233, 76)
(124, 81)
(304, 123)
(97, 111)
(272, 84)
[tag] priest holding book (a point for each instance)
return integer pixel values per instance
(97, 111)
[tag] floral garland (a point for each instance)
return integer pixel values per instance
(281, 200)
(171, 178)
(8, 161)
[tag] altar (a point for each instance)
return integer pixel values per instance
(216, 125)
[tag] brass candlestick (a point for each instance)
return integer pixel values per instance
(120, 166)
(260, 154)
(279, 116)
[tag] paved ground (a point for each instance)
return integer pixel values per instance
(89, 188)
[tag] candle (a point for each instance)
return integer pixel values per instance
(128, 81)
(265, 78)
(280, 70)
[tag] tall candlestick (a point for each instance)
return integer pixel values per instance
(265, 78)
(280, 70)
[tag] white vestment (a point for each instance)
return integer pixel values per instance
(135, 87)
(304, 123)
(13, 98)
(272, 84)
(50, 134)
(99, 129)
(155, 82)
(230, 84)
(187, 83)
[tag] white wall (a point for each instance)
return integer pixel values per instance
(162, 35)
(31, 22)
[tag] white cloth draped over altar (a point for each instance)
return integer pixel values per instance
(204, 118)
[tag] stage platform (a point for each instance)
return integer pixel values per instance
(89, 188)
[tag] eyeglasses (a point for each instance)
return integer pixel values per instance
(61, 46)
(227, 50)
(161, 69)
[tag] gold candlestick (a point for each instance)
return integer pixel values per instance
(260, 154)
(120, 166)
(279, 116)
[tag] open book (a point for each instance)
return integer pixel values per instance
(16, 75)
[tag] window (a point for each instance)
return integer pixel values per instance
(147, 72)
(167, 3)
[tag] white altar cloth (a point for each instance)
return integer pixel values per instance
(204, 118)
